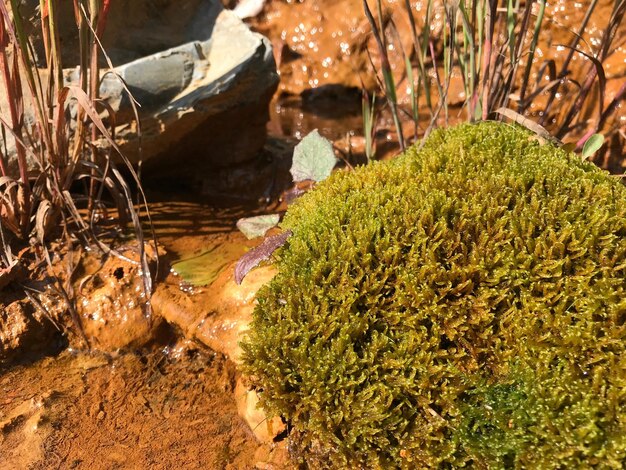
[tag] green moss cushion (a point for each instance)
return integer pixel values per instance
(463, 305)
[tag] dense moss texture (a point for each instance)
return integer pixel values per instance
(463, 305)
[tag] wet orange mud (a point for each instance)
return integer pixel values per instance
(161, 401)
(322, 51)
(149, 410)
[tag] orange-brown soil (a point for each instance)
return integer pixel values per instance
(152, 400)
(135, 411)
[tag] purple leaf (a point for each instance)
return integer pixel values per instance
(293, 194)
(262, 252)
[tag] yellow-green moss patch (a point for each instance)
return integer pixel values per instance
(463, 305)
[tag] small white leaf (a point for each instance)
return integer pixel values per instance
(313, 158)
(258, 226)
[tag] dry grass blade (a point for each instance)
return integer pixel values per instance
(489, 41)
(88, 107)
(368, 112)
(468, 69)
(60, 117)
(143, 257)
(19, 41)
(564, 68)
(61, 140)
(528, 124)
(420, 53)
(13, 90)
(135, 107)
(610, 109)
(596, 69)
(390, 86)
(487, 47)
(531, 55)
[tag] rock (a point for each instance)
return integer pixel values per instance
(222, 313)
(249, 8)
(233, 307)
(217, 319)
(209, 106)
(264, 429)
(112, 304)
(24, 330)
(202, 78)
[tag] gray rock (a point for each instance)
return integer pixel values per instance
(202, 78)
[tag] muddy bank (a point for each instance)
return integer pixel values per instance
(156, 402)
(159, 409)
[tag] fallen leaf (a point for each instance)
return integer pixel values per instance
(528, 124)
(253, 227)
(262, 252)
(313, 158)
(592, 145)
(203, 268)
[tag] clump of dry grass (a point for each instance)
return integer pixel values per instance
(492, 45)
(61, 177)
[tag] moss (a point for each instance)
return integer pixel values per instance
(461, 306)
